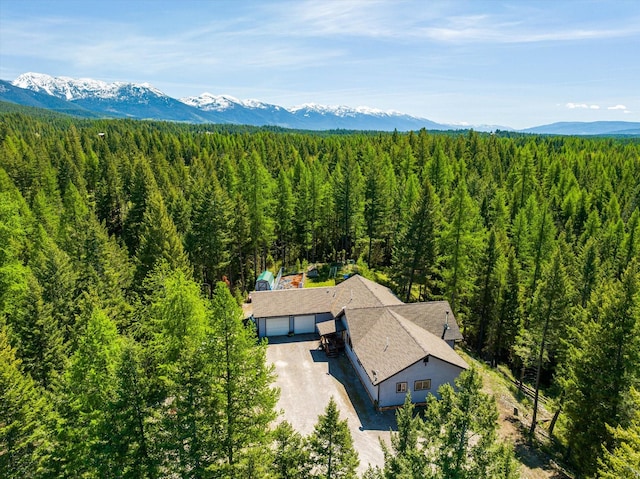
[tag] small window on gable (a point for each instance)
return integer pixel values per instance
(422, 384)
(401, 387)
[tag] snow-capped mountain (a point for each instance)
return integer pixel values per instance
(340, 116)
(340, 110)
(143, 101)
(210, 102)
(118, 99)
(22, 96)
(247, 112)
(71, 89)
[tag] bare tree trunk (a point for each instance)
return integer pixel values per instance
(557, 413)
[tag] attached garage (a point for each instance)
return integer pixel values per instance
(278, 326)
(304, 324)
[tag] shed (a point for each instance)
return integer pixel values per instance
(265, 282)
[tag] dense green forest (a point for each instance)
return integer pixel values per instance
(125, 247)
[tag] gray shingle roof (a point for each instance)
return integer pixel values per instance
(329, 327)
(359, 292)
(431, 316)
(386, 343)
(291, 302)
(355, 292)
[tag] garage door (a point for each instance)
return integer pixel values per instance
(278, 326)
(304, 324)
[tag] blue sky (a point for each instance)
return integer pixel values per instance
(512, 63)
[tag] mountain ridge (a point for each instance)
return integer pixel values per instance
(86, 97)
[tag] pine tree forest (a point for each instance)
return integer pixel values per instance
(126, 248)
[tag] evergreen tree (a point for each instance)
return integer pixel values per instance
(439, 172)
(347, 182)
(320, 202)
(484, 304)
(416, 248)
(57, 278)
(130, 415)
(291, 457)
(110, 200)
(405, 459)
(86, 442)
(460, 240)
(603, 367)
(331, 446)
(302, 217)
(377, 198)
(541, 241)
(631, 243)
(550, 315)
(246, 400)
(40, 338)
(624, 460)
(284, 215)
(187, 398)
(589, 271)
(257, 193)
(24, 417)
(208, 241)
(159, 240)
(506, 325)
(460, 430)
(143, 184)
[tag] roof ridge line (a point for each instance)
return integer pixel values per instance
(401, 320)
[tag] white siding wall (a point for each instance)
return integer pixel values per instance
(437, 370)
(364, 379)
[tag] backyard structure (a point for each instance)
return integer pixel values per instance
(394, 347)
(265, 282)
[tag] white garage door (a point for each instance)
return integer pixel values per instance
(304, 324)
(278, 326)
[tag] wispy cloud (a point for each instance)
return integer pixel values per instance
(617, 107)
(439, 23)
(573, 106)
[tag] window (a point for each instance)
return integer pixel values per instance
(401, 387)
(422, 384)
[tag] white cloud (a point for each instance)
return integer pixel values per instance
(617, 107)
(573, 106)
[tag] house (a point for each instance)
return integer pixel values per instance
(394, 347)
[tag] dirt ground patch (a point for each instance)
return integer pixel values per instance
(307, 378)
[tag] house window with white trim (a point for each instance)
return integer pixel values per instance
(422, 384)
(401, 387)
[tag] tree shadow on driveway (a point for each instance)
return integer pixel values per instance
(341, 369)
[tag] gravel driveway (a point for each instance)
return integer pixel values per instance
(307, 378)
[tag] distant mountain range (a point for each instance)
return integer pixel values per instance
(587, 128)
(89, 98)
